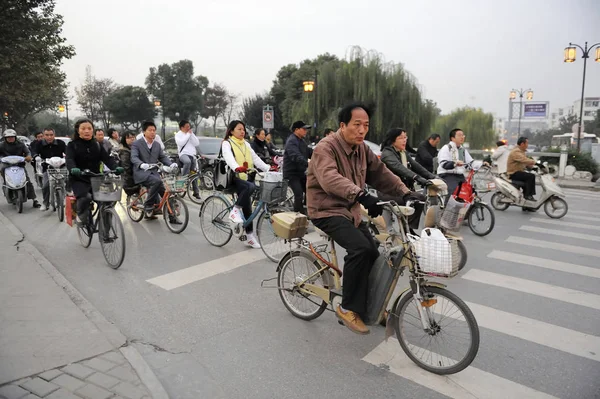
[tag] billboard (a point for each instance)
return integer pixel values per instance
(535, 109)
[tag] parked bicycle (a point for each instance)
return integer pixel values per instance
(103, 219)
(57, 179)
(174, 209)
(218, 230)
(435, 328)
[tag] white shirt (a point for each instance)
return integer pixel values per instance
(450, 153)
(500, 157)
(232, 163)
(156, 138)
(186, 143)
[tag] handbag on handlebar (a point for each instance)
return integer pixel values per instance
(223, 173)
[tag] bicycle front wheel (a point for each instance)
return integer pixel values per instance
(177, 217)
(214, 220)
(273, 246)
(447, 341)
(112, 237)
(481, 219)
(85, 233)
(60, 205)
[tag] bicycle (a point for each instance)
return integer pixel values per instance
(104, 220)
(316, 282)
(57, 178)
(214, 217)
(172, 206)
(479, 212)
(203, 176)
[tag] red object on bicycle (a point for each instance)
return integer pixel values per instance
(70, 212)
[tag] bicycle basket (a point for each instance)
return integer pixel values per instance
(176, 184)
(483, 181)
(273, 191)
(434, 254)
(454, 214)
(58, 174)
(106, 189)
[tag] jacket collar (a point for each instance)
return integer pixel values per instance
(348, 149)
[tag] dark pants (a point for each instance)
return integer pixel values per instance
(188, 164)
(83, 192)
(415, 218)
(156, 190)
(452, 180)
(528, 179)
(244, 190)
(361, 255)
(298, 186)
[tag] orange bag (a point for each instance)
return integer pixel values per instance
(70, 209)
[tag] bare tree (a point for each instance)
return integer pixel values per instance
(91, 96)
(232, 109)
(216, 103)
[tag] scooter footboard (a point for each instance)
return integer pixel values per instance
(382, 281)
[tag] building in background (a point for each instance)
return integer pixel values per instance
(591, 105)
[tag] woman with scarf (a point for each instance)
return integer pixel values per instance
(240, 157)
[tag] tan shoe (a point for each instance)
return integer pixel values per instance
(352, 320)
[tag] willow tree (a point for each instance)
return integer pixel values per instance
(477, 125)
(364, 76)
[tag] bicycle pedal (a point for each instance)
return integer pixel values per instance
(243, 238)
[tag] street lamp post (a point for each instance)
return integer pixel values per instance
(311, 86)
(157, 105)
(529, 95)
(570, 56)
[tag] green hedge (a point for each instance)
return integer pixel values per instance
(581, 162)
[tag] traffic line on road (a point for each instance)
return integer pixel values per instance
(533, 287)
(545, 263)
(539, 332)
(553, 245)
(588, 218)
(582, 192)
(562, 223)
(584, 213)
(471, 383)
(560, 233)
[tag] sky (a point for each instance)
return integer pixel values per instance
(462, 52)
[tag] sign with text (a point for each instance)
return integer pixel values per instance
(535, 110)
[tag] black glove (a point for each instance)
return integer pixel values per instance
(413, 196)
(370, 204)
(422, 182)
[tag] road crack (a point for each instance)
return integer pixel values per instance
(16, 244)
(155, 347)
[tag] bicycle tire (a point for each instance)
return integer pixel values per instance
(287, 261)
(179, 205)
(85, 233)
(472, 214)
(495, 201)
(223, 223)
(135, 207)
(20, 200)
(115, 235)
(463, 363)
(274, 247)
(190, 190)
(462, 249)
(60, 205)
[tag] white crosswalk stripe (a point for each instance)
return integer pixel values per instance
(545, 263)
(565, 224)
(584, 212)
(560, 233)
(553, 245)
(580, 217)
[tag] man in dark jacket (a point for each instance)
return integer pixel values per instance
(295, 162)
(427, 150)
(12, 146)
(50, 147)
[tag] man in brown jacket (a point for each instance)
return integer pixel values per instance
(517, 163)
(340, 167)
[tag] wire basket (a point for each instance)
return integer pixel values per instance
(58, 174)
(175, 184)
(106, 189)
(454, 214)
(271, 192)
(436, 256)
(483, 181)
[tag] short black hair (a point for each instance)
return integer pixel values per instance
(183, 123)
(110, 131)
(98, 130)
(345, 114)
(127, 134)
(327, 131)
(47, 129)
(79, 123)
(452, 133)
(38, 133)
(434, 136)
(521, 140)
(147, 124)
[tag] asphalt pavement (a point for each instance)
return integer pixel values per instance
(201, 320)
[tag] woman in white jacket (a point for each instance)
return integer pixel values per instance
(500, 157)
(240, 157)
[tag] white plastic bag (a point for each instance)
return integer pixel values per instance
(434, 253)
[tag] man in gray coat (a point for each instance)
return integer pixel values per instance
(144, 152)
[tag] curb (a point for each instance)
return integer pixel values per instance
(110, 331)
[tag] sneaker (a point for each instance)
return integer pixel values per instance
(351, 320)
(252, 241)
(174, 220)
(149, 215)
(44, 208)
(36, 204)
(236, 215)
(197, 196)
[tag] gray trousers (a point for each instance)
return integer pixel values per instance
(188, 164)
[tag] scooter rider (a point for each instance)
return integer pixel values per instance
(452, 160)
(84, 152)
(11, 146)
(515, 168)
(50, 147)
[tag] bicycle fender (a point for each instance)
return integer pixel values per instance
(428, 284)
(293, 252)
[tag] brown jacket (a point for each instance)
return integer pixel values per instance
(517, 161)
(337, 173)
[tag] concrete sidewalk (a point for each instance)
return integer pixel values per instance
(578, 184)
(53, 342)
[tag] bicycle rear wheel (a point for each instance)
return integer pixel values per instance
(179, 212)
(273, 246)
(86, 232)
(60, 204)
(481, 219)
(135, 207)
(214, 220)
(451, 327)
(296, 268)
(112, 237)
